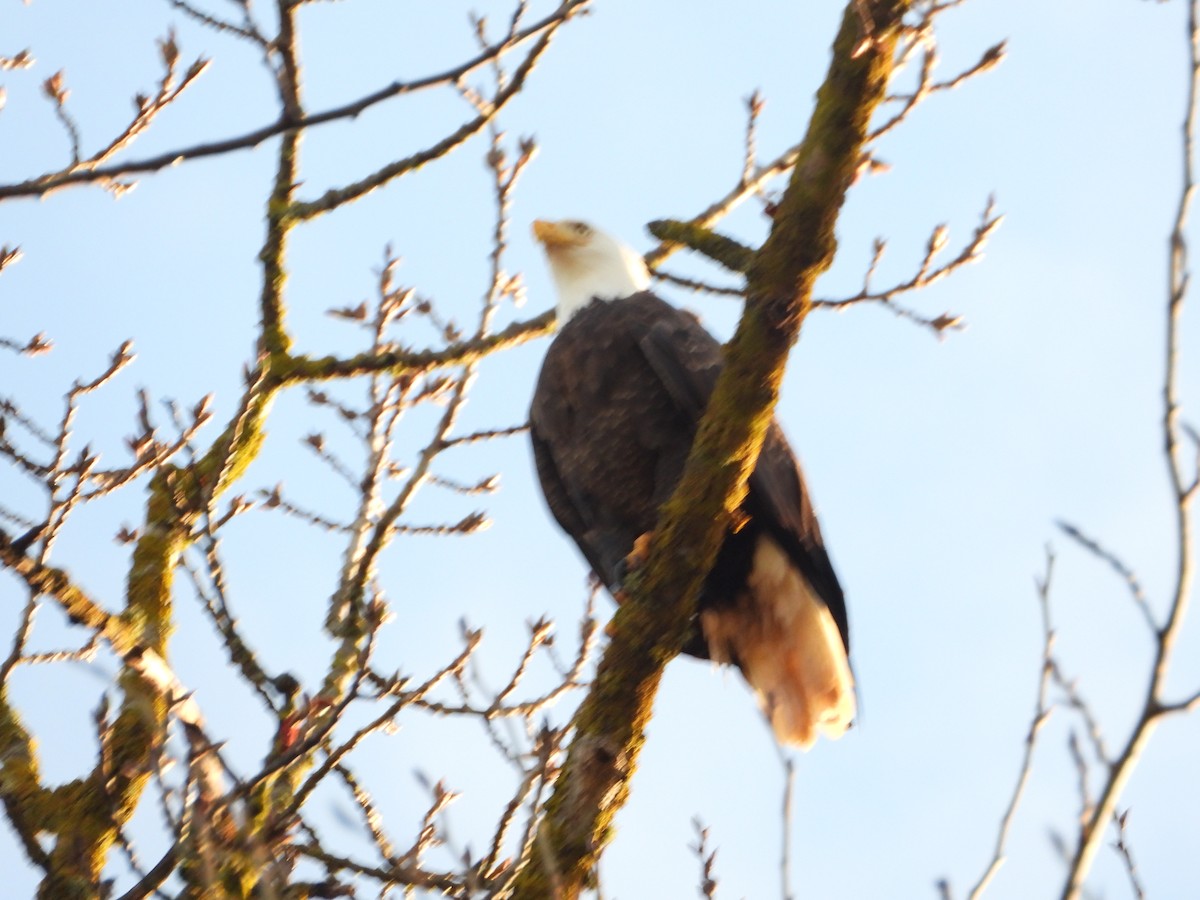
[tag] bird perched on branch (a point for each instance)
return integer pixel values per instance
(617, 404)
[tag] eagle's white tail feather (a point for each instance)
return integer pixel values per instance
(788, 647)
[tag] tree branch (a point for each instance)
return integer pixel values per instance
(300, 369)
(334, 198)
(1153, 710)
(1041, 713)
(720, 249)
(650, 628)
(43, 185)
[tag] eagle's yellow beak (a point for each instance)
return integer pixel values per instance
(555, 235)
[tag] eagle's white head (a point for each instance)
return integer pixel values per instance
(587, 264)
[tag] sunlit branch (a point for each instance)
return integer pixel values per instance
(927, 273)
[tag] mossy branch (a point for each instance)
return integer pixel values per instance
(25, 800)
(731, 254)
(177, 496)
(85, 814)
(305, 369)
(651, 626)
(95, 808)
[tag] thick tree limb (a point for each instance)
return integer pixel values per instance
(650, 628)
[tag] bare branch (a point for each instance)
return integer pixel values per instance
(44, 185)
(1127, 574)
(1153, 709)
(912, 37)
(8, 256)
(402, 874)
(1075, 700)
(927, 273)
(785, 856)
(693, 284)
(1191, 704)
(1041, 712)
(707, 859)
(337, 197)
(476, 437)
(247, 33)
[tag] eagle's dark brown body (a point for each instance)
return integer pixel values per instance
(613, 417)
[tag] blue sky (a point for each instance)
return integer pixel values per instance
(939, 468)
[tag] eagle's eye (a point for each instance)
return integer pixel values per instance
(581, 229)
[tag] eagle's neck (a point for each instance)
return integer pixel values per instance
(609, 277)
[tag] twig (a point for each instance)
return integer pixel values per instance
(1075, 700)
(1041, 713)
(785, 856)
(476, 437)
(371, 816)
(249, 34)
(1127, 574)
(746, 187)
(337, 197)
(1081, 776)
(707, 859)
(927, 273)
(1123, 848)
(694, 284)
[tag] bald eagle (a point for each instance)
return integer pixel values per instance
(614, 413)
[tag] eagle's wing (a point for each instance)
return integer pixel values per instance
(602, 552)
(777, 488)
(777, 495)
(687, 360)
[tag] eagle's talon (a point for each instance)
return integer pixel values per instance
(610, 629)
(635, 558)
